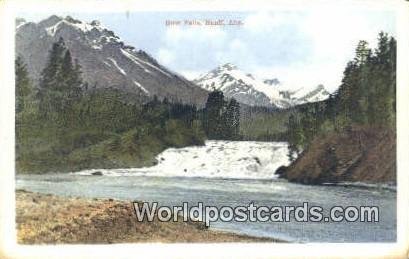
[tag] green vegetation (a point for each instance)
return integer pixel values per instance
(264, 124)
(221, 119)
(366, 97)
(61, 127)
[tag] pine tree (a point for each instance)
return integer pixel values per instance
(235, 110)
(23, 85)
(231, 120)
(70, 86)
(49, 76)
(384, 81)
(295, 137)
(366, 97)
(345, 93)
(214, 110)
(50, 82)
(60, 86)
(362, 53)
(23, 89)
(361, 92)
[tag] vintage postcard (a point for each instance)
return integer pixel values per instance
(167, 128)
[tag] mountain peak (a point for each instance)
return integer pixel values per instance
(50, 21)
(320, 87)
(20, 21)
(95, 23)
(54, 23)
(105, 60)
(273, 81)
(244, 87)
(250, 90)
(228, 66)
(72, 20)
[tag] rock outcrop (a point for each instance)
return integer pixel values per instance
(354, 155)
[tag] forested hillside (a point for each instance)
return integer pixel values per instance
(366, 97)
(264, 124)
(63, 124)
(363, 110)
(60, 126)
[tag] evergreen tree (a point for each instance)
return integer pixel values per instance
(60, 86)
(235, 120)
(69, 87)
(221, 119)
(366, 97)
(50, 83)
(214, 110)
(362, 53)
(50, 77)
(295, 137)
(231, 120)
(23, 100)
(23, 85)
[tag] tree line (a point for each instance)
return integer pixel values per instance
(366, 97)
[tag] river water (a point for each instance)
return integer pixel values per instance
(231, 173)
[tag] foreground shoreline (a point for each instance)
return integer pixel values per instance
(50, 219)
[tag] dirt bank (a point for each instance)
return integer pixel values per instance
(354, 155)
(49, 219)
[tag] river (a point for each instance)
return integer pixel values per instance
(231, 173)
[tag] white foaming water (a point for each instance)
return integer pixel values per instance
(217, 159)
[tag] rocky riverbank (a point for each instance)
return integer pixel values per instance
(49, 219)
(357, 154)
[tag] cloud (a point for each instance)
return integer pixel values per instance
(190, 74)
(301, 48)
(257, 22)
(236, 51)
(188, 48)
(335, 35)
(178, 34)
(263, 21)
(328, 39)
(165, 56)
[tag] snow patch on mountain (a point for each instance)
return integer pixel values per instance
(135, 60)
(273, 81)
(20, 22)
(117, 66)
(141, 87)
(51, 30)
(303, 94)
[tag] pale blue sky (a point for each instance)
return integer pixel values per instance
(300, 48)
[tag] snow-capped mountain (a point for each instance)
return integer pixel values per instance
(105, 59)
(273, 81)
(249, 90)
(245, 88)
(306, 95)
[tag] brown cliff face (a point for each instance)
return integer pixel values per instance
(355, 155)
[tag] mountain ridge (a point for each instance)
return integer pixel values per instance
(106, 61)
(248, 89)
